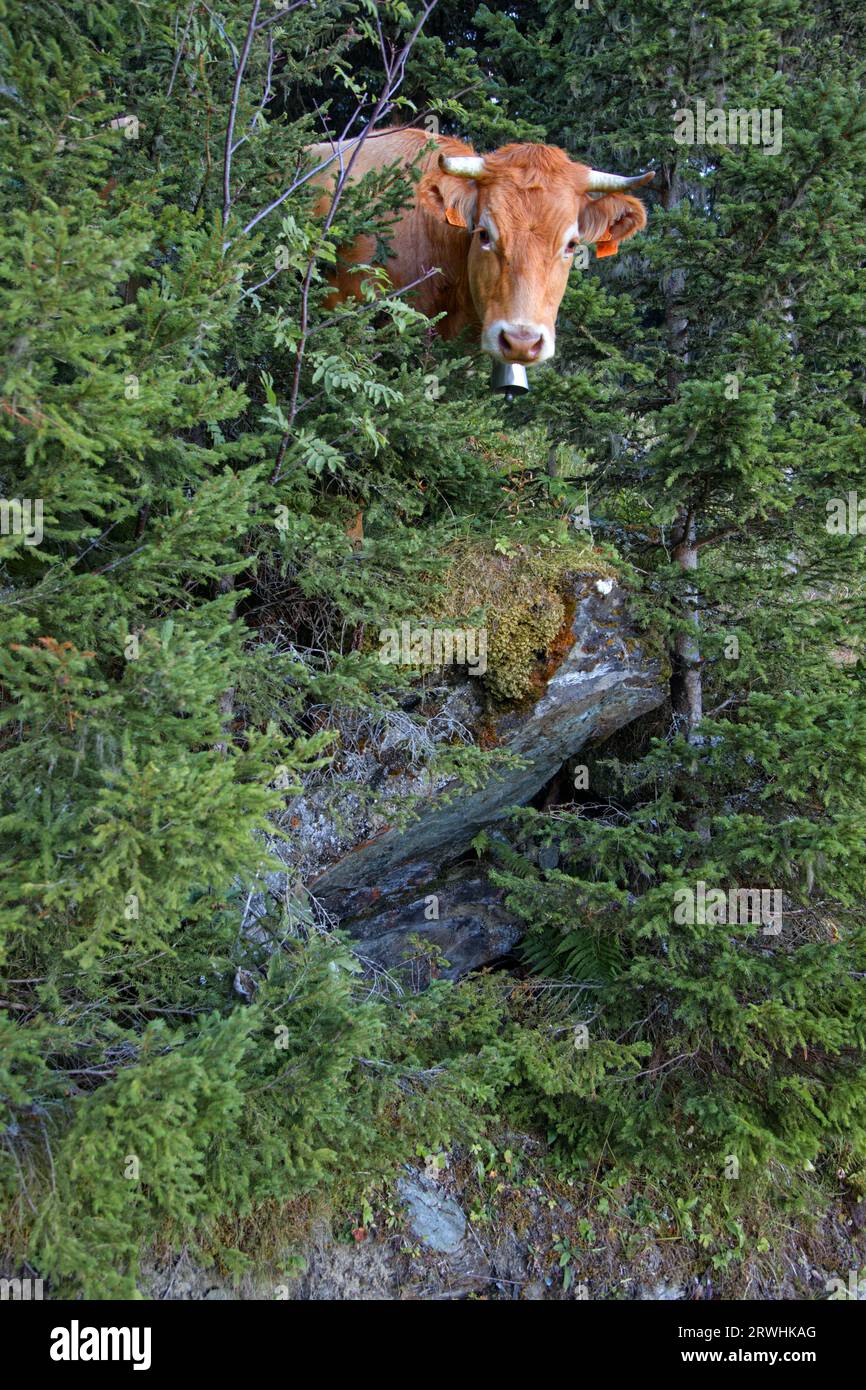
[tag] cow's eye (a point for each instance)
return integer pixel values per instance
(484, 237)
(571, 247)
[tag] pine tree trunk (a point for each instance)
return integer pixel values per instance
(686, 683)
(227, 699)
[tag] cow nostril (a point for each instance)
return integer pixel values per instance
(517, 344)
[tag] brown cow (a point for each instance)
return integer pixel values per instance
(502, 228)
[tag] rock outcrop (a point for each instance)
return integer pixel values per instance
(408, 881)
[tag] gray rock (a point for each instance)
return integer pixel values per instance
(473, 927)
(548, 857)
(662, 1292)
(603, 683)
(402, 881)
(434, 1217)
(383, 851)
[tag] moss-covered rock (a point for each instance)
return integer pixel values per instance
(521, 598)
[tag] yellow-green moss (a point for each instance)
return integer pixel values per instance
(520, 597)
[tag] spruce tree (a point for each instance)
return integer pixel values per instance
(711, 395)
(189, 435)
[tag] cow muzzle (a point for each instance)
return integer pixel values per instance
(525, 343)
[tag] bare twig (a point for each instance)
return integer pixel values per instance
(280, 14)
(375, 303)
(253, 289)
(299, 181)
(233, 111)
(341, 145)
(395, 69)
(179, 54)
(268, 92)
(266, 95)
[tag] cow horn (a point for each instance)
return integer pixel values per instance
(463, 166)
(599, 182)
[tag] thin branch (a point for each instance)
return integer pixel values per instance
(381, 37)
(267, 94)
(718, 536)
(267, 280)
(233, 111)
(340, 146)
(179, 54)
(394, 74)
(375, 303)
(299, 182)
(280, 14)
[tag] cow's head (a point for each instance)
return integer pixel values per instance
(527, 208)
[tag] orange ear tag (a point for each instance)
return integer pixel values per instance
(453, 217)
(606, 246)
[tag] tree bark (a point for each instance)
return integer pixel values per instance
(686, 681)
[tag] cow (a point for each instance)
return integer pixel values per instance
(502, 230)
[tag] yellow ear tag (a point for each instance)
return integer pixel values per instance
(453, 217)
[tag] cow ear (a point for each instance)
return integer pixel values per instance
(610, 219)
(453, 200)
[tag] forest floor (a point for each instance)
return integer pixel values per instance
(506, 1228)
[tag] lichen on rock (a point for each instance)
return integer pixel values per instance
(522, 595)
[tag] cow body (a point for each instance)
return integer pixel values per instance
(500, 232)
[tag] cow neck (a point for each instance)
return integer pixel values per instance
(450, 289)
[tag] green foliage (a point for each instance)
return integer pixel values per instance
(204, 430)
(756, 1039)
(200, 430)
(706, 382)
